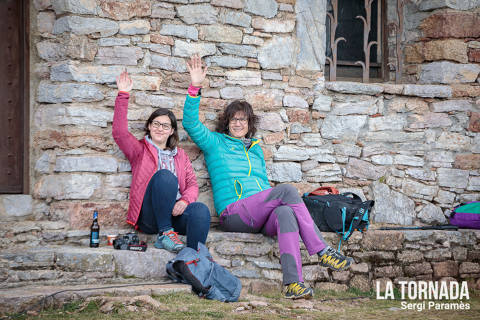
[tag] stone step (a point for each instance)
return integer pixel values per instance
(69, 264)
(21, 299)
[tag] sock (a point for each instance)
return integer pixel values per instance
(324, 250)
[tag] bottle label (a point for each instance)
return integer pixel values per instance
(95, 237)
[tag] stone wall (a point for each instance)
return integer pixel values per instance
(413, 148)
(379, 255)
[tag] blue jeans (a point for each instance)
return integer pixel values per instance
(156, 214)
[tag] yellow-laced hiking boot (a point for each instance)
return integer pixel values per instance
(298, 290)
(334, 259)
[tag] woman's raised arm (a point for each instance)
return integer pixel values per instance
(200, 134)
(124, 139)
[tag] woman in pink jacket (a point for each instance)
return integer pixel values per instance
(164, 187)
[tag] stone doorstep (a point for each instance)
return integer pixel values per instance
(21, 299)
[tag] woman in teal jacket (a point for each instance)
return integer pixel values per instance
(241, 191)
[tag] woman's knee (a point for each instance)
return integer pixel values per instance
(198, 213)
(286, 192)
(164, 176)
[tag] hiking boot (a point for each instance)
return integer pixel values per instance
(334, 259)
(169, 240)
(298, 290)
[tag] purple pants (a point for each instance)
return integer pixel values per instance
(280, 212)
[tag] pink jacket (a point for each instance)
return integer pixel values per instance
(143, 159)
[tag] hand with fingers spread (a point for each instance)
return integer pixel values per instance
(124, 82)
(197, 73)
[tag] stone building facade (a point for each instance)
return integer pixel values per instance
(413, 145)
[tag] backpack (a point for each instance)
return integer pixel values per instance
(207, 278)
(466, 215)
(341, 213)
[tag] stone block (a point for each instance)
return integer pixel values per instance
(86, 164)
(95, 27)
(81, 47)
(235, 4)
(448, 72)
(362, 169)
(418, 269)
(186, 49)
(290, 153)
(235, 18)
(285, 172)
(324, 173)
(427, 91)
(322, 103)
(354, 87)
(360, 282)
(17, 205)
(438, 254)
(83, 260)
(474, 122)
(182, 31)
(264, 99)
(271, 121)
(388, 122)
(67, 92)
(227, 61)
(391, 206)
(273, 25)
(432, 215)
(445, 269)
(453, 178)
(198, 14)
(126, 9)
(264, 8)
(448, 24)
(157, 38)
(221, 34)
(154, 100)
(277, 53)
(469, 267)
(163, 11)
(134, 27)
(70, 186)
(429, 120)
(294, 101)
(168, 63)
(50, 51)
(45, 22)
(453, 141)
(119, 55)
(345, 128)
(75, 6)
(244, 77)
(467, 162)
(383, 240)
(139, 264)
(238, 50)
(273, 138)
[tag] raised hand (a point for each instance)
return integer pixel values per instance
(124, 83)
(197, 73)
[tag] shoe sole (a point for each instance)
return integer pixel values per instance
(305, 296)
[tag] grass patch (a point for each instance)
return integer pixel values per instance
(326, 305)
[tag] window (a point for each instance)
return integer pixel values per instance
(351, 28)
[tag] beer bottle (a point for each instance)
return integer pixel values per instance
(95, 231)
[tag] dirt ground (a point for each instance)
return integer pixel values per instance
(325, 305)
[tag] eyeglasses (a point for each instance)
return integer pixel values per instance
(241, 120)
(164, 126)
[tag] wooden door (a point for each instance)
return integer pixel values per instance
(13, 95)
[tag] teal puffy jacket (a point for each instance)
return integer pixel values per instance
(235, 172)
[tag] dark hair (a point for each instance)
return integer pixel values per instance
(229, 113)
(172, 141)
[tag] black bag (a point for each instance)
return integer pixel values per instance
(342, 213)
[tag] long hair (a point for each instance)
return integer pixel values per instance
(229, 113)
(172, 141)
